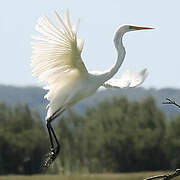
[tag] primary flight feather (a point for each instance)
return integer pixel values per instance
(56, 59)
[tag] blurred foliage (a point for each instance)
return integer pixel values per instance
(104, 176)
(23, 140)
(115, 136)
(119, 136)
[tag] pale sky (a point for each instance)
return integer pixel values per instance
(158, 50)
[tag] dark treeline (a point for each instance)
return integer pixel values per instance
(120, 136)
(23, 140)
(116, 136)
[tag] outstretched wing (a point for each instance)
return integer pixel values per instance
(56, 56)
(127, 80)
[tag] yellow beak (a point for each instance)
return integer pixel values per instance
(139, 28)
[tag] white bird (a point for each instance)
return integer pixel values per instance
(56, 59)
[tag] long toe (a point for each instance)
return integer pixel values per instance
(51, 157)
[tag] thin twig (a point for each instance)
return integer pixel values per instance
(170, 101)
(166, 176)
(177, 172)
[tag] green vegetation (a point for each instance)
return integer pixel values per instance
(115, 136)
(120, 176)
(23, 141)
(118, 136)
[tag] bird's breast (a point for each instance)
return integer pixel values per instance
(85, 88)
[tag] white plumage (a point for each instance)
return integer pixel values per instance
(128, 80)
(56, 59)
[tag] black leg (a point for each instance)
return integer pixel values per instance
(48, 125)
(57, 142)
(55, 149)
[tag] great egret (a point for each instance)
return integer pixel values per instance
(56, 59)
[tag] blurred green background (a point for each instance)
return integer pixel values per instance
(116, 135)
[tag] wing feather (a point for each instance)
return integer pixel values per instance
(56, 54)
(127, 80)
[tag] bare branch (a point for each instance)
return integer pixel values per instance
(166, 176)
(170, 101)
(177, 172)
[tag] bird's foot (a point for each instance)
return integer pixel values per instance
(50, 157)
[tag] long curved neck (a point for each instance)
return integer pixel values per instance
(121, 54)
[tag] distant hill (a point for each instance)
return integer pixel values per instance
(33, 96)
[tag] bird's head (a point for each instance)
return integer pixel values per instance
(127, 28)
